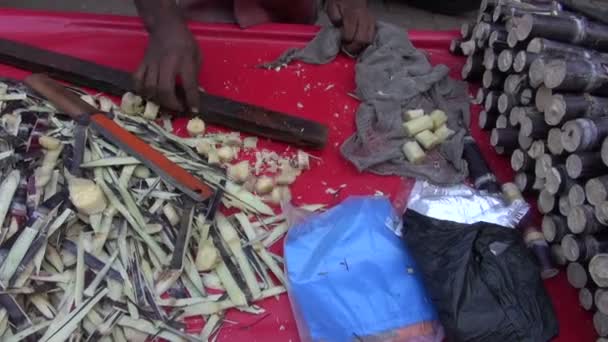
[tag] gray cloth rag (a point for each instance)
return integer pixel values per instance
(392, 76)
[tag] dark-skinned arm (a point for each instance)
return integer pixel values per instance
(172, 52)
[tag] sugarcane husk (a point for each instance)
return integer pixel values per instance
(473, 68)
(479, 171)
(492, 80)
(584, 134)
(502, 121)
(525, 142)
(576, 75)
(598, 268)
(455, 47)
(546, 202)
(534, 126)
(524, 182)
(564, 107)
(555, 179)
(554, 227)
(487, 121)
(597, 190)
(505, 137)
(91, 260)
(554, 142)
(491, 102)
(582, 219)
(521, 161)
(585, 165)
(577, 275)
(600, 300)
(563, 28)
(523, 60)
(526, 96)
(557, 254)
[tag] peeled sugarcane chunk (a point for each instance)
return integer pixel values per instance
(439, 118)
(151, 110)
(264, 185)
(87, 196)
(443, 133)
(203, 147)
(207, 257)
(195, 127)
(418, 125)
(131, 104)
(226, 154)
(413, 152)
(239, 172)
(413, 114)
(427, 139)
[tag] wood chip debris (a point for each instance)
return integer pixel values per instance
(105, 249)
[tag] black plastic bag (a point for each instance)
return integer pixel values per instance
(482, 279)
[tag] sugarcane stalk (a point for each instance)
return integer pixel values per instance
(505, 60)
(473, 67)
(502, 121)
(556, 179)
(524, 141)
(536, 243)
(521, 161)
(574, 30)
(479, 171)
(534, 126)
(600, 323)
(597, 190)
(487, 121)
(546, 202)
(577, 275)
(582, 219)
(598, 268)
(576, 194)
(557, 254)
(564, 107)
(490, 59)
(585, 165)
(480, 96)
(524, 182)
(466, 30)
(514, 84)
(600, 300)
(523, 60)
(536, 72)
(491, 102)
(536, 151)
(576, 75)
(526, 96)
(546, 46)
(498, 42)
(586, 297)
(455, 47)
(554, 227)
(468, 47)
(506, 102)
(505, 137)
(492, 80)
(584, 134)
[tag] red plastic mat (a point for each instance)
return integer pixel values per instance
(231, 57)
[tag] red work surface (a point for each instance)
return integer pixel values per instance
(230, 69)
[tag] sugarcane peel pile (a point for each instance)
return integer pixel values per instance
(104, 249)
(428, 131)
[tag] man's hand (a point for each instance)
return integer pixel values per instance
(356, 22)
(172, 52)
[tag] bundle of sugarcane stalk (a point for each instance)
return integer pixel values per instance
(544, 75)
(101, 248)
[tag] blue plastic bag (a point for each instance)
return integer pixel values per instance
(350, 277)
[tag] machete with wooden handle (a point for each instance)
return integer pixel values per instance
(215, 109)
(72, 105)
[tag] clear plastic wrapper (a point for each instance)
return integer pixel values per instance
(350, 278)
(463, 204)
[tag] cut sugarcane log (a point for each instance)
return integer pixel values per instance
(480, 96)
(412, 114)
(577, 275)
(506, 102)
(466, 30)
(576, 194)
(584, 134)
(468, 47)
(498, 42)
(600, 323)
(526, 96)
(490, 60)
(537, 150)
(554, 227)
(514, 116)
(582, 219)
(600, 300)
(525, 142)
(483, 31)
(523, 60)
(546, 46)
(487, 121)
(597, 190)
(505, 137)
(413, 152)
(546, 202)
(534, 126)
(514, 84)
(586, 298)
(473, 67)
(557, 254)
(418, 125)
(505, 60)
(492, 80)
(543, 98)
(512, 40)
(502, 121)
(427, 140)
(535, 241)
(455, 47)
(491, 102)
(563, 28)
(585, 165)
(521, 161)
(539, 184)
(604, 151)
(479, 171)
(573, 248)
(487, 6)
(536, 72)
(576, 75)
(598, 268)
(524, 182)
(556, 179)
(564, 107)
